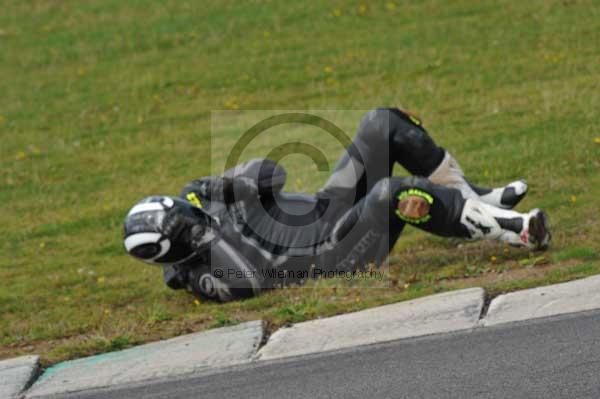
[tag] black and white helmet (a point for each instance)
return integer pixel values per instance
(144, 238)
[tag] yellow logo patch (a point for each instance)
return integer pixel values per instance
(194, 200)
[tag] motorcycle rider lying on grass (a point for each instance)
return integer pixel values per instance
(231, 236)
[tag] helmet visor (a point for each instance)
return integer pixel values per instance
(144, 222)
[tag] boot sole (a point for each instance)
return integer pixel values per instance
(539, 231)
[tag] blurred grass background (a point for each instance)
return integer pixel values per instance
(103, 102)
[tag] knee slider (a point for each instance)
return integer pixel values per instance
(413, 203)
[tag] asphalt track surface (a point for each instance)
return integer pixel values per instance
(545, 358)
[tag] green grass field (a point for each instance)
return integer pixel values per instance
(104, 102)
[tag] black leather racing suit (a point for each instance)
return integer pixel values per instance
(263, 237)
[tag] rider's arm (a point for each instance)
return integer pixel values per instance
(224, 189)
(258, 177)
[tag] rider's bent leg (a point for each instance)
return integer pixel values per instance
(384, 136)
(389, 135)
(442, 211)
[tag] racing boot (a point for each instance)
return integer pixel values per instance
(484, 221)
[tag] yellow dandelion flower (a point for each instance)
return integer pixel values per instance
(596, 140)
(42, 245)
(21, 155)
(573, 198)
(493, 258)
(231, 104)
(362, 9)
(106, 311)
(328, 69)
(266, 34)
(196, 302)
(390, 6)
(101, 280)
(336, 12)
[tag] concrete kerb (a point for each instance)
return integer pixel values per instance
(17, 374)
(552, 300)
(447, 312)
(174, 357)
